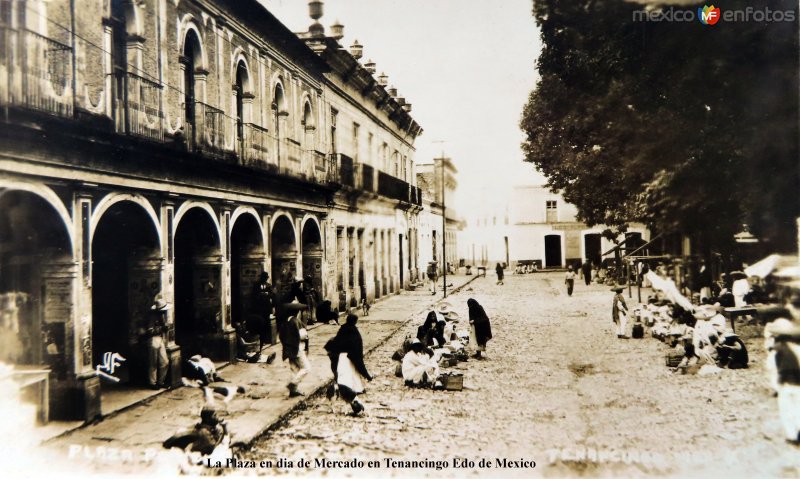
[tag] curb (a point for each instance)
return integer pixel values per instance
(302, 405)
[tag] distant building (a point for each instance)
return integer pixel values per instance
(484, 239)
(544, 229)
(429, 181)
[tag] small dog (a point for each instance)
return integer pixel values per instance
(364, 307)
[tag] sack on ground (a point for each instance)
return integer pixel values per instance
(637, 331)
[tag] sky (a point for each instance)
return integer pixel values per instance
(467, 66)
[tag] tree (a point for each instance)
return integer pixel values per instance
(687, 127)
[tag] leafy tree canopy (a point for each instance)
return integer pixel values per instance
(687, 127)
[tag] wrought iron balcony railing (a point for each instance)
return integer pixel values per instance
(367, 177)
(206, 131)
(35, 72)
(346, 171)
(392, 187)
(138, 106)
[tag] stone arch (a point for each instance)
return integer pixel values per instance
(48, 195)
(133, 23)
(187, 25)
(279, 214)
(113, 198)
(238, 58)
(188, 205)
(310, 217)
(248, 210)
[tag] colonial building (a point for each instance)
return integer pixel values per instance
(430, 178)
(544, 229)
(180, 148)
(484, 239)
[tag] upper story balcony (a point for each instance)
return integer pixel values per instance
(38, 75)
(35, 72)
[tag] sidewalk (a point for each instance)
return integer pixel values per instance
(147, 424)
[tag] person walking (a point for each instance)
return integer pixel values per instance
(346, 352)
(619, 312)
(569, 280)
(586, 271)
(480, 328)
(294, 340)
(157, 359)
(499, 270)
(263, 308)
(432, 276)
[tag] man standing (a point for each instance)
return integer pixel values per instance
(570, 280)
(263, 304)
(619, 312)
(432, 276)
(292, 334)
(157, 359)
(586, 271)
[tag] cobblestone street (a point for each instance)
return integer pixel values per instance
(558, 389)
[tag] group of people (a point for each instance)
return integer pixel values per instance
(437, 339)
(700, 337)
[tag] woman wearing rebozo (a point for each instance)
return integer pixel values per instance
(346, 352)
(480, 329)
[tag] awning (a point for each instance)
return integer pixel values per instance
(634, 251)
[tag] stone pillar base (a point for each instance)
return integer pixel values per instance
(174, 376)
(221, 346)
(75, 399)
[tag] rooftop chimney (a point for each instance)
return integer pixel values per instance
(370, 66)
(315, 12)
(392, 91)
(315, 9)
(407, 107)
(337, 31)
(357, 50)
(383, 79)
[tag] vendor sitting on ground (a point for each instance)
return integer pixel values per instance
(431, 333)
(731, 352)
(419, 366)
(326, 314)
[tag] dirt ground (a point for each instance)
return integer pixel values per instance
(558, 389)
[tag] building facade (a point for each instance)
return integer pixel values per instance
(156, 147)
(430, 178)
(544, 229)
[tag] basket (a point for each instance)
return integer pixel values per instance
(673, 359)
(453, 382)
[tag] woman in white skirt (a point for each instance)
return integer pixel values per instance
(346, 352)
(480, 329)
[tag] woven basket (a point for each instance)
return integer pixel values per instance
(453, 382)
(673, 359)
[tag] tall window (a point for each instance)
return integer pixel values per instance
(356, 145)
(241, 85)
(370, 140)
(551, 208)
(334, 114)
(191, 52)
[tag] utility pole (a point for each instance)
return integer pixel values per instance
(444, 230)
(444, 221)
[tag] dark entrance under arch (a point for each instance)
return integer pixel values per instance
(284, 257)
(126, 277)
(36, 306)
(552, 251)
(312, 254)
(247, 263)
(198, 283)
